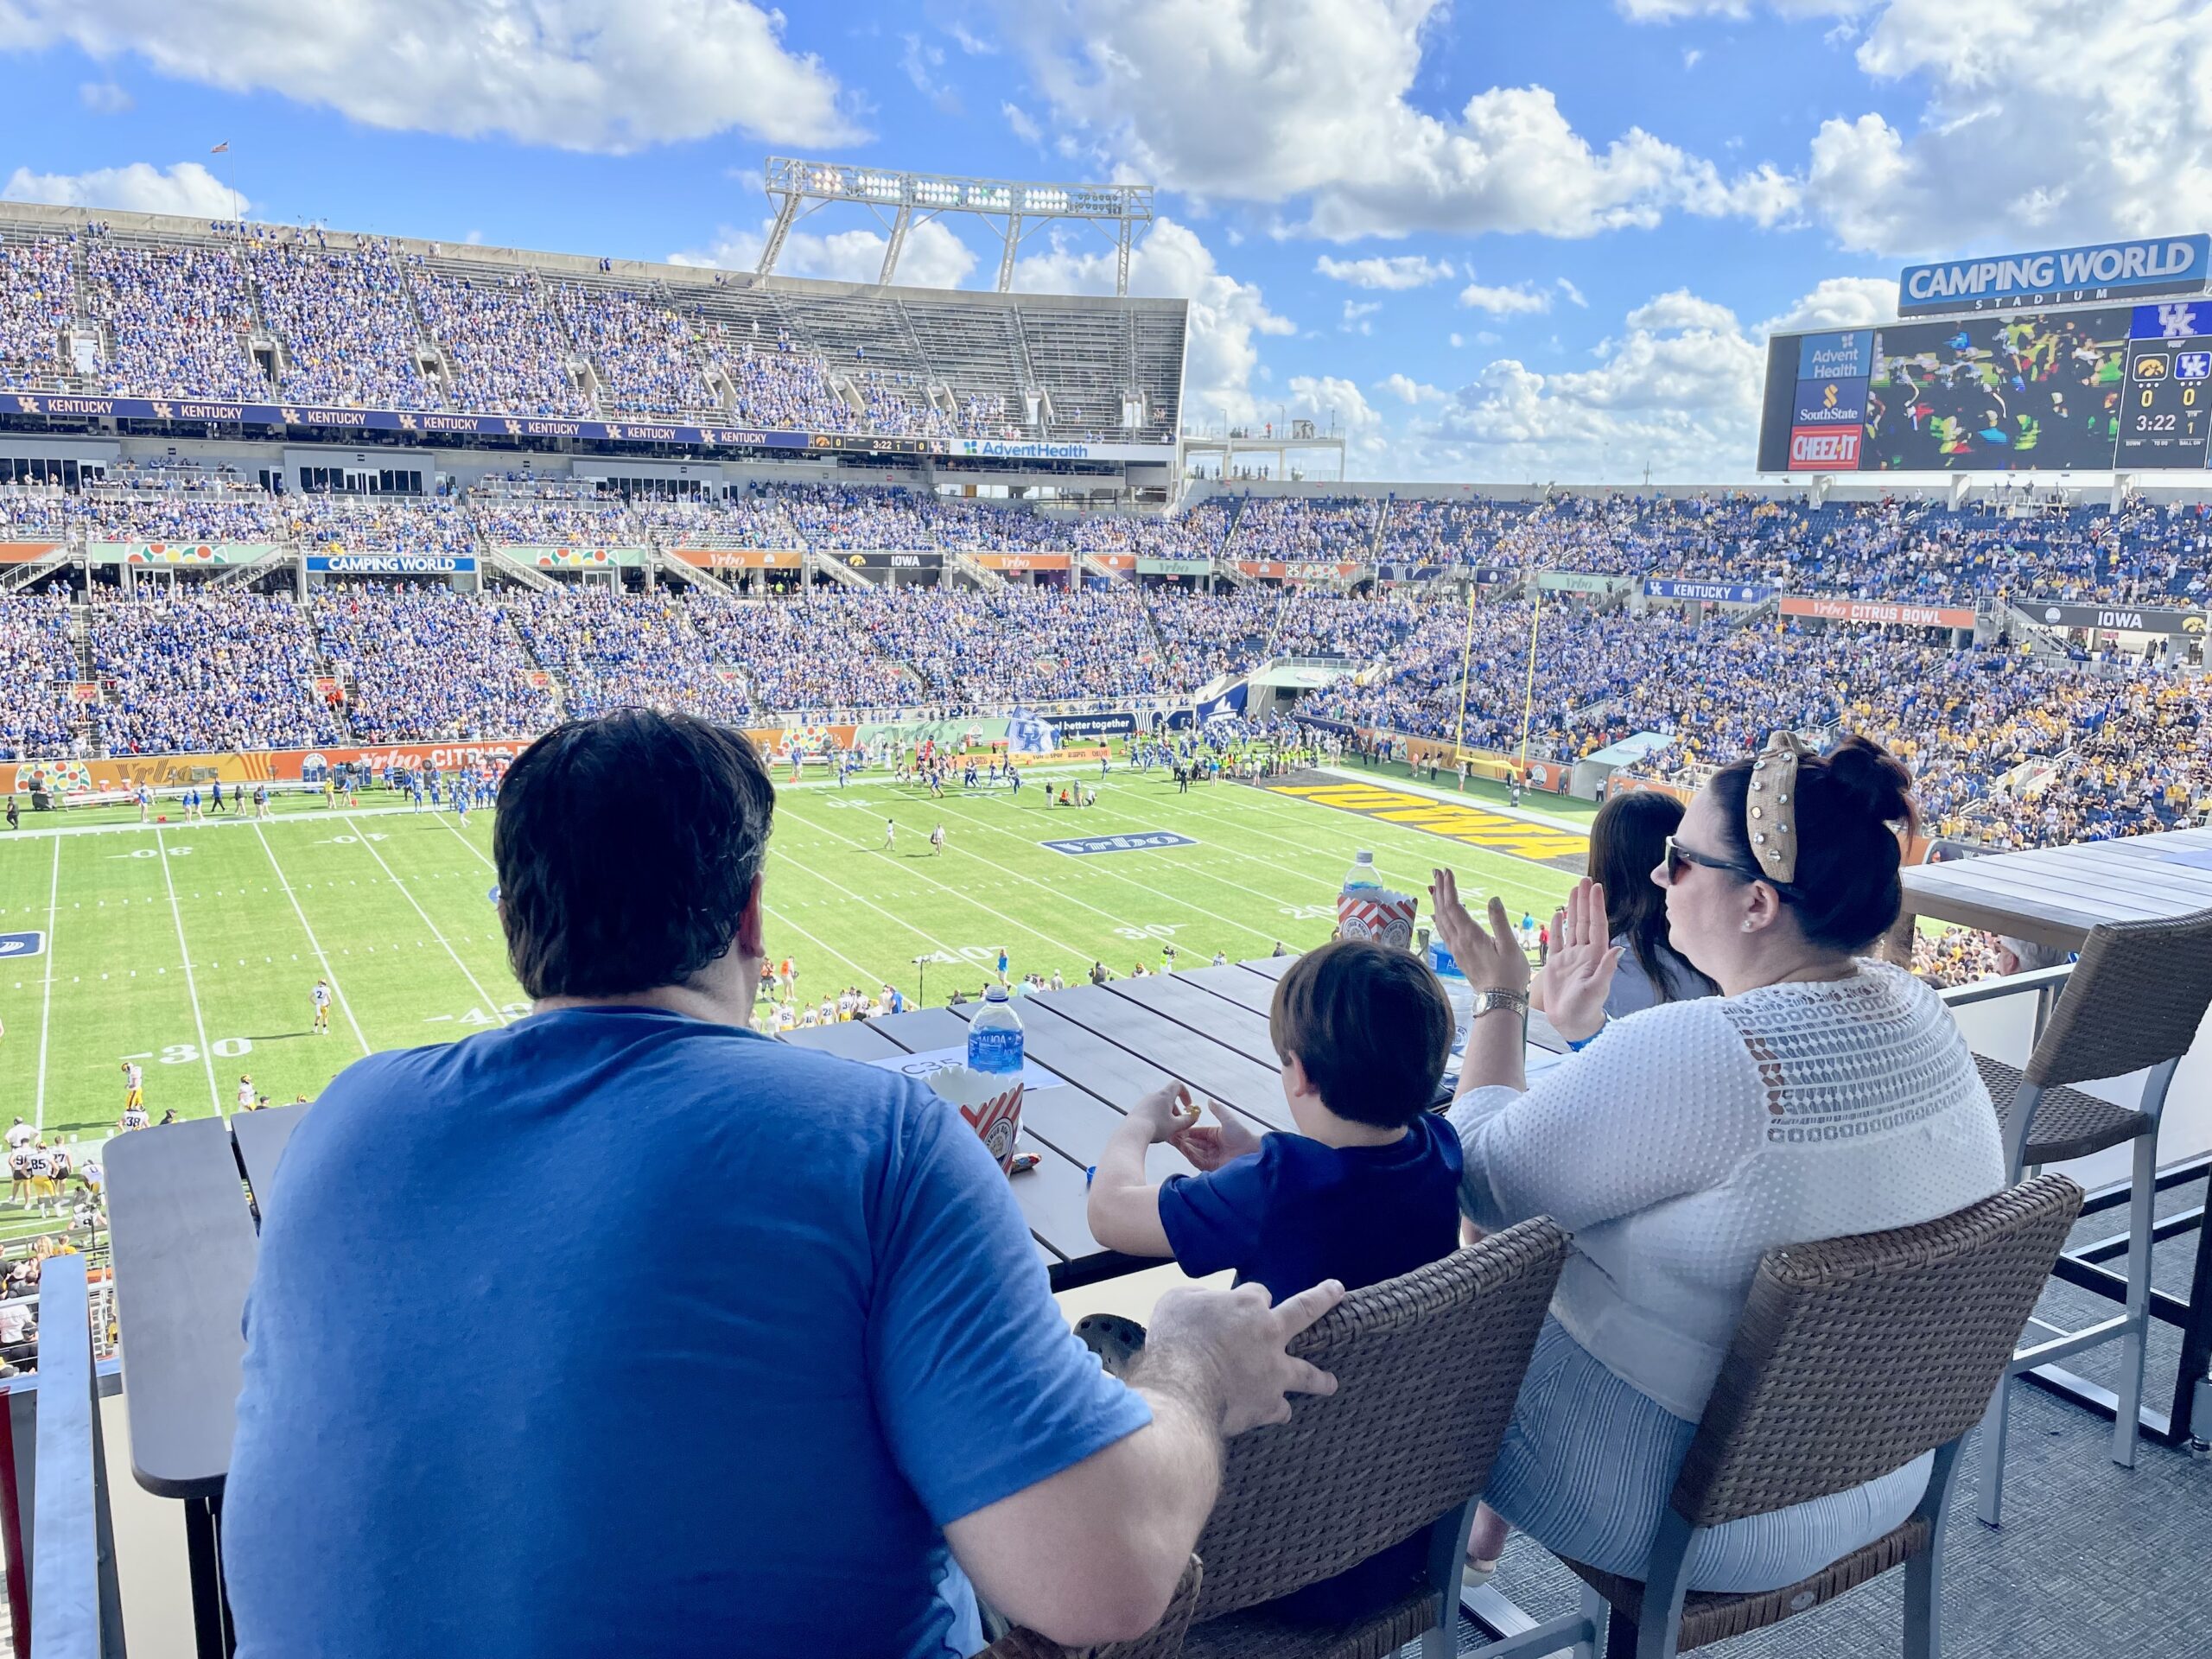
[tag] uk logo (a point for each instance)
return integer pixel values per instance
(2193, 365)
(2178, 321)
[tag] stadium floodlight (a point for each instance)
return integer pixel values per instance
(801, 188)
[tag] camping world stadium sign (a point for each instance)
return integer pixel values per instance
(2135, 269)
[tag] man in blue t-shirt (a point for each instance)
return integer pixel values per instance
(624, 1327)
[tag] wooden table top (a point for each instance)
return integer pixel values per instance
(1112, 1043)
(2055, 895)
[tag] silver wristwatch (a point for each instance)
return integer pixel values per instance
(1489, 1001)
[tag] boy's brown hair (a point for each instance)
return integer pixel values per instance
(1371, 1024)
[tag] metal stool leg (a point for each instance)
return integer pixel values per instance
(2141, 1202)
(1989, 1457)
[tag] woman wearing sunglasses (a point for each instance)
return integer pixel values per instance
(1818, 1094)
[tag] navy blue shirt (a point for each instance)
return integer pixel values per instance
(615, 1330)
(1298, 1211)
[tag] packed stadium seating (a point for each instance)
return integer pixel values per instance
(165, 307)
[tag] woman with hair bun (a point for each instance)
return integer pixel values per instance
(1820, 1094)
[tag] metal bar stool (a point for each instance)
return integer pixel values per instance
(2133, 1003)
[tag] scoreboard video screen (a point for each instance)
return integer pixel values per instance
(2050, 390)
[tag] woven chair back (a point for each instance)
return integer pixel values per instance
(1427, 1367)
(2134, 1000)
(1856, 1355)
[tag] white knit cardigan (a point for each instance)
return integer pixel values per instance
(1690, 1139)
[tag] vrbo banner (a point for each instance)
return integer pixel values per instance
(390, 564)
(1171, 567)
(1576, 581)
(1863, 610)
(176, 554)
(737, 558)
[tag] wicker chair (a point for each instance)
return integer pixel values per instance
(2132, 1004)
(1427, 1367)
(1854, 1356)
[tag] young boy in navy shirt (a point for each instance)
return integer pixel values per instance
(1365, 1190)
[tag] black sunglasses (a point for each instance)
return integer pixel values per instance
(1680, 857)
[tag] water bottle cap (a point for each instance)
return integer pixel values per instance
(995, 994)
(1362, 857)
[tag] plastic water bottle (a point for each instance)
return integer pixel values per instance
(994, 1036)
(1362, 874)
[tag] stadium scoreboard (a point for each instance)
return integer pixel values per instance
(2082, 359)
(2091, 390)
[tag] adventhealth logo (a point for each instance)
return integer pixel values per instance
(1144, 841)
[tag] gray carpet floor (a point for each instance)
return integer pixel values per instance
(2093, 1561)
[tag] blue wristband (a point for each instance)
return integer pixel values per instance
(1575, 1047)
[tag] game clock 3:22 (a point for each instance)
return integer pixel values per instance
(2166, 412)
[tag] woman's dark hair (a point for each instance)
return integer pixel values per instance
(626, 848)
(1844, 891)
(1371, 1024)
(1628, 838)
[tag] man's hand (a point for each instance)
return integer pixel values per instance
(1209, 1146)
(1580, 970)
(1165, 1112)
(1228, 1347)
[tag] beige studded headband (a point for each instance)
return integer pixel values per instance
(1771, 807)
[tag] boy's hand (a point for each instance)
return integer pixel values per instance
(1209, 1146)
(1165, 1113)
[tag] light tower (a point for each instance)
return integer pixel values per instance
(902, 200)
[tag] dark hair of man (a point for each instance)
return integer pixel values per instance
(626, 848)
(1627, 839)
(1851, 803)
(1371, 1024)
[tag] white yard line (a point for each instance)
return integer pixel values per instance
(313, 945)
(1058, 945)
(1069, 898)
(499, 1011)
(46, 1008)
(206, 1058)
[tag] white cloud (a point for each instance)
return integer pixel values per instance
(1676, 390)
(932, 257)
(1668, 12)
(1024, 127)
(1457, 341)
(1398, 271)
(921, 61)
(1690, 55)
(576, 74)
(1407, 390)
(1572, 293)
(1357, 315)
(1503, 301)
(1308, 100)
(1222, 356)
(106, 98)
(187, 188)
(2046, 120)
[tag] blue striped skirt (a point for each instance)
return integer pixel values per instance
(1588, 1464)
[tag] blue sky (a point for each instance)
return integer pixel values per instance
(1495, 242)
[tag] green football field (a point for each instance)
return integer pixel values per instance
(194, 947)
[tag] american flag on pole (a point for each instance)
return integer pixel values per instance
(220, 148)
